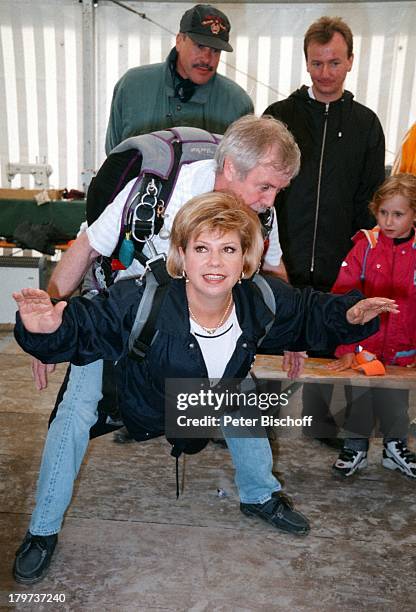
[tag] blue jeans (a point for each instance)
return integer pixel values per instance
(65, 446)
(253, 463)
(67, 441)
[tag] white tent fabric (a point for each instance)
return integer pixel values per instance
(42, 92)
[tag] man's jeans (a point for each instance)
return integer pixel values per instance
(65, 446)
(67, 441)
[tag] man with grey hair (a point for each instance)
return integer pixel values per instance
(250, 141)
(270, 157)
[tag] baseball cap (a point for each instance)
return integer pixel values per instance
(207, 26)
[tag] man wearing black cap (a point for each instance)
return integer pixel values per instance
(183, 90)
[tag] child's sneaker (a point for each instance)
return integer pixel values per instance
(396, 456)
(349, 461)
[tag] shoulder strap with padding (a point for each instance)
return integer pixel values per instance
(157, 148)
(163, 154)
(143, 330)
(267, 294)
(111, 178)
(162, 159)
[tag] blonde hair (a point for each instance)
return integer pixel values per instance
(399, 184)
(216, 211)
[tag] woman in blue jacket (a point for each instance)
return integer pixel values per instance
(210, 325)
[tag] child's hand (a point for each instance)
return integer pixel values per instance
(343, 363)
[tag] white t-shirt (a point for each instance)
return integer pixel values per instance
(193, 179)
(217, 348)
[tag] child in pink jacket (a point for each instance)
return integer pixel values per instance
(382, 262)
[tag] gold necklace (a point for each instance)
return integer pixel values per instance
(212, 330)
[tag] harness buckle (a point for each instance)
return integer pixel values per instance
(153, 262)
(144, 213)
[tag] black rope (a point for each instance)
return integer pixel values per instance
(142, 15)
(269, 87)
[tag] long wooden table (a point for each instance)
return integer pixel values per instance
(270, 367)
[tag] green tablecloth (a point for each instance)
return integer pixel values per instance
(67, 215)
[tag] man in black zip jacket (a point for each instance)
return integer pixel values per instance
(342, 164)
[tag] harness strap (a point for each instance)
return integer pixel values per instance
(262, 286)
(143, 330)
(266, 220)
(163, 154)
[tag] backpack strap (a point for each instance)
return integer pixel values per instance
(163, 154)
(143, 330)
(259, 284)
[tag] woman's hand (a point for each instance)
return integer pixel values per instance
(365, 310)
(37, 312)
(343, 363)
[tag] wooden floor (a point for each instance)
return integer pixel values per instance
(128, 544)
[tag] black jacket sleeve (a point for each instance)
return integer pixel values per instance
(310, 320)
(91, 329)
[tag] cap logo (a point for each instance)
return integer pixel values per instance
(215, 24)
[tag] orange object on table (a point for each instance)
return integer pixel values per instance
(367, 362)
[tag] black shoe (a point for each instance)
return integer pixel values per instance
(33, 558)
(122, 436)
(280, 513)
